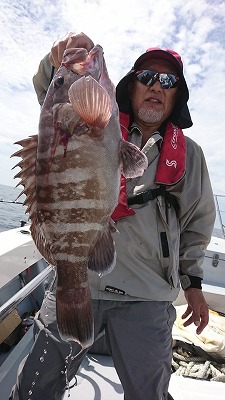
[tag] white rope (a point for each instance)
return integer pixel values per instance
(185, 364)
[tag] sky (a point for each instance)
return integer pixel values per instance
(125, 29)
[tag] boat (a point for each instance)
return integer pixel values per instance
(24, 278)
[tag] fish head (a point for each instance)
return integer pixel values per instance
(58, 120)
(65, 76)
(89, 63)
(80, 101)
(76, 63)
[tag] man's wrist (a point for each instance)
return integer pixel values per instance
(190, 281)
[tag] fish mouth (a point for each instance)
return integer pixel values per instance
(88, 65)
(73, 57)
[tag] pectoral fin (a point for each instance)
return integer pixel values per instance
(134, 162)
(91, 101)
(103, 257)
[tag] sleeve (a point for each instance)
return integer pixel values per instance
(42, 78)
(197, 217)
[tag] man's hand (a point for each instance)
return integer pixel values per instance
(70, 40)
(197, 309)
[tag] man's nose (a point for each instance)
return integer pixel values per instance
(156, 86)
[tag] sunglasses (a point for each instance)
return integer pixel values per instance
(149, 78)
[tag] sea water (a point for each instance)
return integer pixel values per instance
(11, 213)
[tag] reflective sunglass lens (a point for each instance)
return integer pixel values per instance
(149, 78)
(168, 81)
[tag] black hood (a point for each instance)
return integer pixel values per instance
(180, 115)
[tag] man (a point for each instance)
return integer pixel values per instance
(164, 218)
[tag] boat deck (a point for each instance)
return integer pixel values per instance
(97, 379)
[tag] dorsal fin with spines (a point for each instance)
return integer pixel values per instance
(27, 176)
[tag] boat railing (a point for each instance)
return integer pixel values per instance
(220, 210)
(18, 297)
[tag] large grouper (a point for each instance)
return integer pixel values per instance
(71, 173)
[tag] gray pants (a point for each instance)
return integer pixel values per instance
(138, 335)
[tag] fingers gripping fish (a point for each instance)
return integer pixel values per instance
(71, 175)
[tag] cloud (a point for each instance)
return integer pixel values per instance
(125, 29)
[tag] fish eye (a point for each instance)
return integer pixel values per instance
(58, 82)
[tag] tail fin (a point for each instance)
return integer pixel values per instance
(74, 315)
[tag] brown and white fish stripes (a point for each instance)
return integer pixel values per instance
(71, 176)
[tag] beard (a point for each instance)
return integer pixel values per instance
(149, 115)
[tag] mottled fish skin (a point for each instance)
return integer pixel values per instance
(77, 160)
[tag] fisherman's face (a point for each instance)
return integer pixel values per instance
(153, 105)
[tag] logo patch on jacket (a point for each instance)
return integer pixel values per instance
(112, 289)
